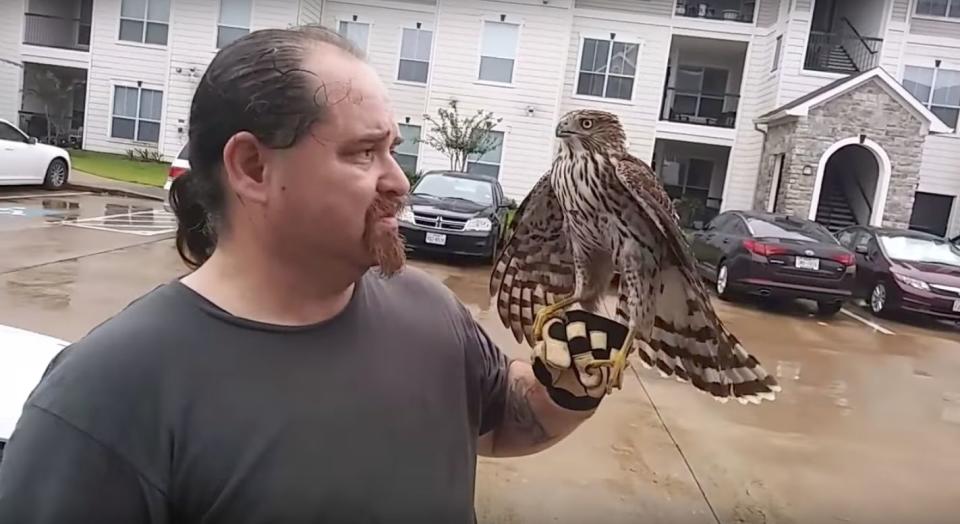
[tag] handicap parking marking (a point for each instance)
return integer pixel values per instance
(145, 223)
(45, 194)
(870, 323)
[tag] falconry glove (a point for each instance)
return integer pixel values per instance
(561, 360)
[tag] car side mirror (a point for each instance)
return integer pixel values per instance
(32, 141)
(861, 250)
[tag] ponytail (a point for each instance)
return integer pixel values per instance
(196, 238)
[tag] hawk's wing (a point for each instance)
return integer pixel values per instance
(688, 340)
(536, 265)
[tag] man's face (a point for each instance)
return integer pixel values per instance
(337, 192)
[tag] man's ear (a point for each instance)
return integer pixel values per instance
(243, 163)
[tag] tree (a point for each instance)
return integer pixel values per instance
(460, 137)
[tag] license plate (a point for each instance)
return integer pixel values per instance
(956, 306)
(808, 263)
(436, 239)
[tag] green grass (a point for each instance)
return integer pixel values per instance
(119, 167)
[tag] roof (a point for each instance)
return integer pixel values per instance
(801, 106)
(892, 231)
(461, 174)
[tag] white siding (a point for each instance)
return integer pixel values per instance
(759, 96)
(114, 61)
(271, 14)
(900, 11)
(940, 167)
(193, 40)
(767, 12)
(310, 11)
(11, 71)
(537, 81)
(646, 7)
(891, 52)
(795, 82)
(383, 47)
(929, 27)
(640, 116)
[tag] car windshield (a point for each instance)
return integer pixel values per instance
(789, 229)
(915, 249)
(442, 186)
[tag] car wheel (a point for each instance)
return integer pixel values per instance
(57, 174)
(828, 309)
(880, 299)
(723, 282)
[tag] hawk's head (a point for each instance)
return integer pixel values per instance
(591, 129)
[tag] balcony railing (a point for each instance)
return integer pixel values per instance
(55, 31)
(65, 131)
(700, 107)
(732, 10)
(843, 51)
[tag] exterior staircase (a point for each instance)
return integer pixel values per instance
(834, 211)
(830, 57)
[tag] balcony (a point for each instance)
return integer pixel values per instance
(63, 24)
(729, 10)
(703, 82)
(693, 175)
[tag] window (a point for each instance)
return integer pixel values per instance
(689, 177)
(8, 132)
(938, 89)
(607, 69)
(415, 55)
(498, 52)
(234, 21)
(136, 114)
(444, 186)
(700, 92)
(931, 213)
(356, 32)
(846, 238)
(489, 162)
(948, 8)
(777, 54)
(407, 151)
(145, 21)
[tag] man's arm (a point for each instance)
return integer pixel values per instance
(531, 421)
(54, 473)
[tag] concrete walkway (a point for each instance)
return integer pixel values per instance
(82, 180)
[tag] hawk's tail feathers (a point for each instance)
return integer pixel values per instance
(690, 343)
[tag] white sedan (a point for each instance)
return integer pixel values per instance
(24, 161)
(24, 356)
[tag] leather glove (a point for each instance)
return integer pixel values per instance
(568, 345)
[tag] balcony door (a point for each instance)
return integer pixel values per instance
(700, 92)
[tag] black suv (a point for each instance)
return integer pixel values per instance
(456, 213)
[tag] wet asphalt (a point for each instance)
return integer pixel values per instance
(867, 428)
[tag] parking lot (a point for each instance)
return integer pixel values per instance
(866, 430)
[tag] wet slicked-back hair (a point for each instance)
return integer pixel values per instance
(256, 84)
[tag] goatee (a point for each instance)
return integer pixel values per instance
(385, 245)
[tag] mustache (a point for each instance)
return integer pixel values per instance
(384, 207)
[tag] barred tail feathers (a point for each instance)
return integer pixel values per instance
(690, 342)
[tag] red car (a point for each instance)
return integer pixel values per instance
(905, 270)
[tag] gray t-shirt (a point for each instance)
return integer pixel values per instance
(177, 411)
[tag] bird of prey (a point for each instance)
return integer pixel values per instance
(598, 212)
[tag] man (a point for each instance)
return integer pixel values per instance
(284, 380)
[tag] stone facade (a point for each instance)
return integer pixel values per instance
(868, 110)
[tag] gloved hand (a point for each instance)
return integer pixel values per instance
(569, 344)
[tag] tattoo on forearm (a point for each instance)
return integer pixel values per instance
(520, 415)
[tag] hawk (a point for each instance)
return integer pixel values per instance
(598, 212)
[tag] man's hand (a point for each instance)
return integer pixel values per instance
(548, 400)
(569, 345)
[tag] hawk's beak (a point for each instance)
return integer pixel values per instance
(563, 130)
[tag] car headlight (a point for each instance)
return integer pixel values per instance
(406, 215)
(478, 224)
(912, 282)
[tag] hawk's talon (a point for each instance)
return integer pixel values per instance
(555, 310)
(617, 364)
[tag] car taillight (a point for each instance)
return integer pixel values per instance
(846, 259)
(763, 249)
(176, 171)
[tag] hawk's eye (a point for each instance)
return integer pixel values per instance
(586, 123)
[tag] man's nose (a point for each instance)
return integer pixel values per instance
(394, 180)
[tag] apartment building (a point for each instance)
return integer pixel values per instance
(844, 111)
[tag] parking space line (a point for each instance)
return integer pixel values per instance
(48, 194)
(874, 325)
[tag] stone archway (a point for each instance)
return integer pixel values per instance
(858, 169)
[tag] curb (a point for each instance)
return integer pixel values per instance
(115, 191)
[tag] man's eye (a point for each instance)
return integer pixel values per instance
(367, 154)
